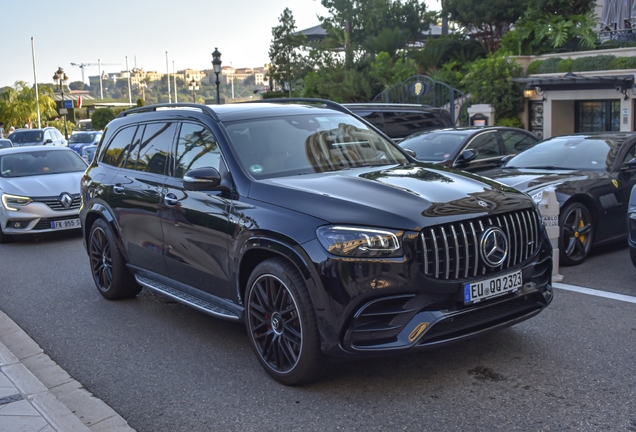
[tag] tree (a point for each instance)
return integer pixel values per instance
(101, 117)
(284, 52)
(77, 85)
(18, 105)
(486, 20)
(489, 81)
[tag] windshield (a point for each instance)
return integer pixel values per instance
(570, 152)
(434, 146)
(84, 126)
(305, 144)
(82, 138)
(40, 163)
(26, 136)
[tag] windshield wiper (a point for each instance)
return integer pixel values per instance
(546, 167)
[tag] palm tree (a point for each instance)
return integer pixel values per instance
(18, 104)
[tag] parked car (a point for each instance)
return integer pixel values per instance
(39, 187)
(88, 153)
(401, 120)
(469, 148)
(79, 140)
(85, 125)
(312, 228)
(593, 175)
(5, 143)
(32, 137)
(631, 225)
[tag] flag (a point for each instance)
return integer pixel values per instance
(79, 101)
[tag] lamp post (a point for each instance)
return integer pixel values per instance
(216, 64)
(61, 78)
(193, 85)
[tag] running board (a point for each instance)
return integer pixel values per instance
(187, 299)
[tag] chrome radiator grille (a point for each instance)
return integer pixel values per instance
(55, 204)
(451, 251)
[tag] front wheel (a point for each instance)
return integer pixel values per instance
(577, 231)
(281, 324)
(108, 266)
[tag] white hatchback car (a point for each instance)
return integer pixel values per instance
(39, 189)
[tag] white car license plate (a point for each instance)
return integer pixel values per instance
(488, 288)
(65, 224)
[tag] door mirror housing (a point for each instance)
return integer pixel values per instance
(466, 156)
(202, 179)
(410, 152)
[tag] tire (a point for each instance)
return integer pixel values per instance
(108, 267)
(576, 234)
(281, 324)
(632, 254)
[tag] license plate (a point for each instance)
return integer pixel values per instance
(477, 291)
(66, 224)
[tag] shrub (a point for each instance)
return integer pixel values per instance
(101, 117)
(564, 66)
(533, 68)
(550, 65)
(595, 63)
(509, 122)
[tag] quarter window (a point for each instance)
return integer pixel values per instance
(197, 147)
(155, 147)
(118, 147)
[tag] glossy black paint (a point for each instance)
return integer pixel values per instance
(456, 153)
(605, 191)
(208, 242)
(631, 225)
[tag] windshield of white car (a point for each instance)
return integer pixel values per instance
(582, 153)
(307, 144)
(40, 163)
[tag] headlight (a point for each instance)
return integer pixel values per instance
(537, 197)
(12, 202)
(361, 242)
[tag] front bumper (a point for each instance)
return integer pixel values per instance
(38, 217)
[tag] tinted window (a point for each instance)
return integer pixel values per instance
(118, 147)
(516, 142)
(27, 136)
(373, 117)
(434, 146)
(486, 145)
(197, 147)
(131, 162)
(155, 147)
(5, 143)
(401, 124)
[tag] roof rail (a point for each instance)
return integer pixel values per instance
(328, 103)
(150, 108)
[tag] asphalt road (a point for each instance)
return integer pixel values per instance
(165, 367)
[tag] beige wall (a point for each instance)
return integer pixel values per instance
(562, 117)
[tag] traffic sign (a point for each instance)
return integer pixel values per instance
(68, 104)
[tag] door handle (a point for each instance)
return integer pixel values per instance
(170, 200)
(118, 189)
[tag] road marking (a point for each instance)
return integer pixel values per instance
(597, 293)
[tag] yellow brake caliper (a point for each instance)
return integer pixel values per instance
(581, 237)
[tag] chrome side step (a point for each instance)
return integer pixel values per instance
(187, 299)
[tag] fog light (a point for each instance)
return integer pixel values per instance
(18, 224)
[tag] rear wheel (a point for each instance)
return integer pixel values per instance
(577, 231)
(108, 267)
(281, 324)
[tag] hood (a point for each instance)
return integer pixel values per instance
(530, 180)
(402, 197)
(43, 185)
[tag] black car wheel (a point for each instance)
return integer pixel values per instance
(108, 267)
(281, 324)
(577, 231)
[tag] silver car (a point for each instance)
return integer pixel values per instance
(39, 189)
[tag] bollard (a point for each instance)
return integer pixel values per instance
(549, 209)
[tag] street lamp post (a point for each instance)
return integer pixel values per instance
(193, 85)
(61, 78)
(216, 64)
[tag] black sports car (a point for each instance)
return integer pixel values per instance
(470, 148)
(593, 175)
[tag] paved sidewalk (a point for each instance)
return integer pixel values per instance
(38, 395)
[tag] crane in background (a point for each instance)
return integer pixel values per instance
(83, 65)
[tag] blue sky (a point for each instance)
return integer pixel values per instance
(85, 31)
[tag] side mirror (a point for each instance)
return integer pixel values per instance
(466, 156)
(630, 165)
(505, 159)
(48, 141)
(410, 152)
(203, 179)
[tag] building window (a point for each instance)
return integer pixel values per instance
(592, 116)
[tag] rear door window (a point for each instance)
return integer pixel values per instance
(486, 144)
(118, 148)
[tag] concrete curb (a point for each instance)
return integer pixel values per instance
(60, 400)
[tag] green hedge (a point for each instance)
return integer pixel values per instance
(593, 63)
(550, 65)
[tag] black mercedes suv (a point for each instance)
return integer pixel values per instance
(310, 226)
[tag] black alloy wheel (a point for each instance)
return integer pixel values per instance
(108, 266)
(281, 324)
(577, 231)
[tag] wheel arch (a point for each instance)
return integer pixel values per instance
(100, 211)
(588, 202)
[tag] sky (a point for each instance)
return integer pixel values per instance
(84, 32)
